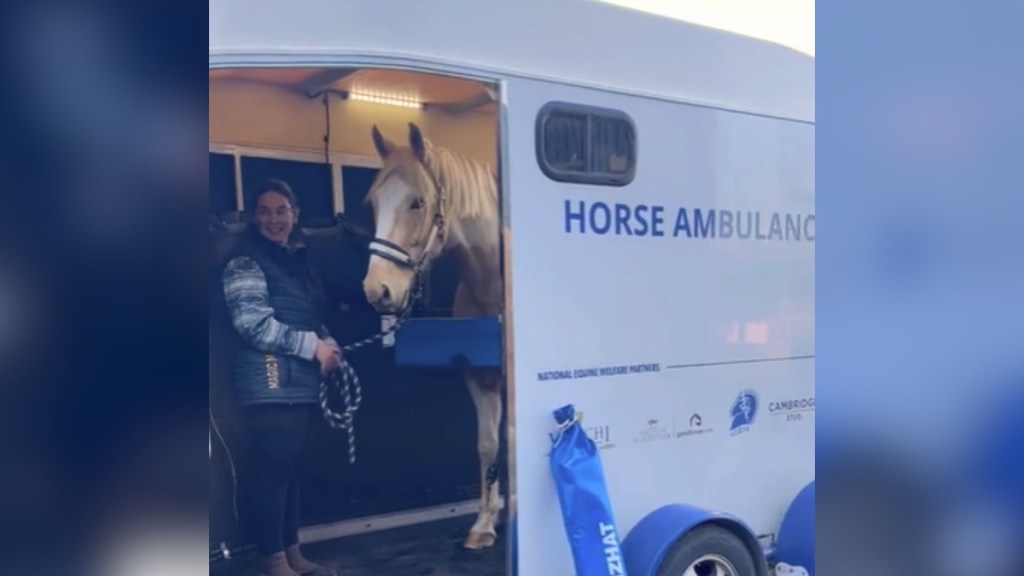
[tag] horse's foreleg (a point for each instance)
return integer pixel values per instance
(486, 391)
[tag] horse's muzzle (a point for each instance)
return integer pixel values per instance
(384, 300)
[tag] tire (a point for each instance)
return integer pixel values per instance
(707, 547)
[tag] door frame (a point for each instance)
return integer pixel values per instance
(498, 82)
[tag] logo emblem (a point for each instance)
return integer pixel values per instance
(599, 434)
(655, 431)
(694, 426)
(743, 412)
(792, 409)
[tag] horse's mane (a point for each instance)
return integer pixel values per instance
(470, 186)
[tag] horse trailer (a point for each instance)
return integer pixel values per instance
(518, 206)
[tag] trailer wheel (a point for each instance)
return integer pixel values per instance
(708, 551)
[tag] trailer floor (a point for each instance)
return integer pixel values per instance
(430, 549)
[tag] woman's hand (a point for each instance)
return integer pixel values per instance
(328, 354)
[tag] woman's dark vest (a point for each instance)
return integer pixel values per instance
(265, 377)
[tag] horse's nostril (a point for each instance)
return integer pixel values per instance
(385, 293)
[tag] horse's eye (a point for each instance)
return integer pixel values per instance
(416, 204)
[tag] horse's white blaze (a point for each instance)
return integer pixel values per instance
(393, 194)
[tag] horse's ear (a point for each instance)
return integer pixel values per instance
(383, 145)
(417, 143)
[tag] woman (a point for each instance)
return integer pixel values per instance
(278, 309)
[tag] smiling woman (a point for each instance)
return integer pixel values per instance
(277, 211)
(278, 310)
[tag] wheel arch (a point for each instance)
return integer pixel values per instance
(647, 544)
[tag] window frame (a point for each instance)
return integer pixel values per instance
(555, 108)
(309, 204)
(337, 161)
(234, 181)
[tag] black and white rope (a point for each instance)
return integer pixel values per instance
(349, 388)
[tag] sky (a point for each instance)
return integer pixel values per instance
(786, 22)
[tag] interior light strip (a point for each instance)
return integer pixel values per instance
(389, 100)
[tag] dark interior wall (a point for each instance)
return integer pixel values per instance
(416, 430)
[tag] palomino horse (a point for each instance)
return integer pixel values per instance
(430, 201)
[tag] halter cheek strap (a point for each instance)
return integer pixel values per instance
(400, 256)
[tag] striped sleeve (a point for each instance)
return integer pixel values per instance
(245, 289)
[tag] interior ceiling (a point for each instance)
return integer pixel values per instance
(433, 90)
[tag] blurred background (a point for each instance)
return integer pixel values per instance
(102, 288)
(919, 372)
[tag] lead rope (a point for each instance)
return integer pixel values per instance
(346, 381)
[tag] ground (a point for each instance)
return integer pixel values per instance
(431, 549)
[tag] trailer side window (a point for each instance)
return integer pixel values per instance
(586, 145)
(222, 184)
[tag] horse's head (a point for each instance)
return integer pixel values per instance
(408, 208)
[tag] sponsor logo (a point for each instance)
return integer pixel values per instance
(654, 431)
(692, 426)
(743, 412)
(792, 409)
(601, 435)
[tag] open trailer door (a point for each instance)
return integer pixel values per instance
(396, 175)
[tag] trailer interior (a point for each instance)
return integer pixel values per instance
(406, 504)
